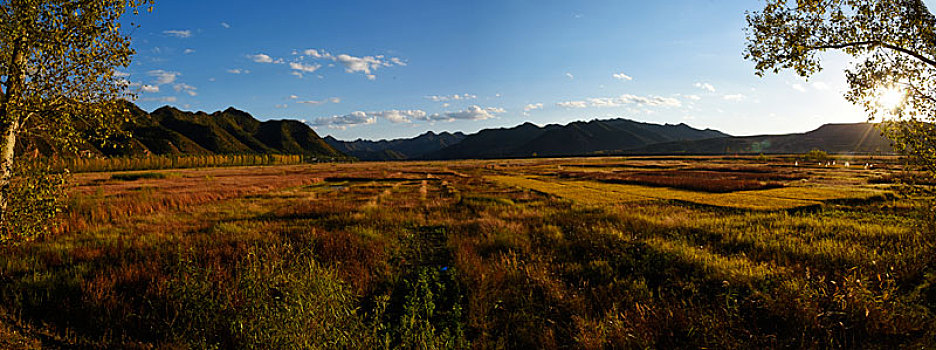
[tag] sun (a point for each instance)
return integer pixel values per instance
(891, 98)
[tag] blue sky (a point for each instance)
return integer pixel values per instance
(390, 69)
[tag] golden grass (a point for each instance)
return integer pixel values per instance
(597, 193)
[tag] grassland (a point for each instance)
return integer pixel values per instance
(538, 253)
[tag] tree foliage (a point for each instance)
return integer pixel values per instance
(59, 81)
(893, 43)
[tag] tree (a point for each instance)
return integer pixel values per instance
(893, 43)
(59, 82)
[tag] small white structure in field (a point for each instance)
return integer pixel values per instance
(795, 163)
(847, 164)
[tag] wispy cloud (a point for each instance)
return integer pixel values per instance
(264, 58)
(622, 76)
(304, 68)
(570, 76)
(150, 88)
(343, 121)
(455, 97)
(472, 113)
(366, 65)
(238, 71)
(225, 25)
(735, 97)
(186, 88)
(705, 86)
(572, 104)
(623, 100)
(166, 99)
(163, 77)
(397, 117)
(532, 106)
(316, 102)
(188, 51)
(181, 34)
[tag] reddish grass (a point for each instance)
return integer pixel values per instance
(693, 180)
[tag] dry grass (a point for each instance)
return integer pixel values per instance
(472, 254)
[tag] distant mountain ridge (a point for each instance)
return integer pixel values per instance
(614, 137)
(399, 149)
(573, 139)
(862, 138)
(170, 131)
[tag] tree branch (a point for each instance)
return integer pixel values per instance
(909, 52)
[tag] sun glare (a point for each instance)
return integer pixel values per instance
(891, 98)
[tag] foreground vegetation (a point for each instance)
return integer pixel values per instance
(549, 253)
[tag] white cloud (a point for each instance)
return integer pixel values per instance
(305, 68)
(532, 106)
(281, 106)
(181, 34)
(365, 64)
(293, 97)
(188, 89)
(622, 76)
(343, 121)
(238, 71)
(395, 116)
(472, 113)
(316, 53)
(569, 75)
(693, 97)
(311, 102)
(263, 58)
(334, 100)
(188, 51)
(735, 97)
(167, 99)
(163, 77)
(150, 88)
(225, 25)
(572, 104)
(626, 99)
(799, 87)
(705, 86)
(455, 97)
(818, 85)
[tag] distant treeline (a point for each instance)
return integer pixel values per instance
(78, 165)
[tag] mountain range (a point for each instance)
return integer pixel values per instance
(170, 131)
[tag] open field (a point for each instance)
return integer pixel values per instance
(529, 253)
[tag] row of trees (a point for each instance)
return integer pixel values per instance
(171, 162)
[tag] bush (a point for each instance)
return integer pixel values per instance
(278, 299)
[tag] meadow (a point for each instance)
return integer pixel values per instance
(591, 253)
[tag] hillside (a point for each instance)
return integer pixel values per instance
(832, 138)
(398, 149)
(574, 139)
(169, 131)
